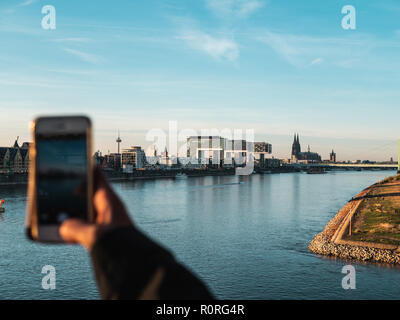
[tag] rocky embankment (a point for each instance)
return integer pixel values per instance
(323, 243)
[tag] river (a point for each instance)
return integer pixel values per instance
(246, 237)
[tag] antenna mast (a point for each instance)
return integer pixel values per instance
(118, 142)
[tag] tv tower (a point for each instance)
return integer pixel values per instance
(118, 141)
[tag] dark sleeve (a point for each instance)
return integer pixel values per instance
(125, 262)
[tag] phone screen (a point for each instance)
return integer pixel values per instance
(62, 173)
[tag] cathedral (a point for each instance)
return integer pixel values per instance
(298, 156)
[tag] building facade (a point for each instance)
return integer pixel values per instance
(219, 151)
(261, 152)
(236, 152)
(14, 159)
(133, 158)
(206, 149)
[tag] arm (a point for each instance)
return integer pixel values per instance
(128, 264)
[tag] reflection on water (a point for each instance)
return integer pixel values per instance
(247, 237)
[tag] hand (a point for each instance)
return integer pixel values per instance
(109, 213)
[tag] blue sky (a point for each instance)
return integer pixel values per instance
(277, 67)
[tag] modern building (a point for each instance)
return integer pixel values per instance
(207, 149)
(261, 151)
(303, 157)
(219, 151)
(133, 158)
(235, 152)
(113, 160)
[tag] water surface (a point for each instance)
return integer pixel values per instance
(246, 237)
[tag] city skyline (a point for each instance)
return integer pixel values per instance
(120, 144)
(304, 146)
(214, 64)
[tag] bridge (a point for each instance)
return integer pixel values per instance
(347, 166)
(358, 165)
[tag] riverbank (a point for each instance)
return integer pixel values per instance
(115, 176)
(166, 174)
(345, 235)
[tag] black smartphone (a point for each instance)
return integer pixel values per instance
(60, 184)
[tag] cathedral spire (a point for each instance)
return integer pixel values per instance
(298, 144)
(16, 145)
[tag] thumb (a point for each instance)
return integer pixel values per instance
(78, 231)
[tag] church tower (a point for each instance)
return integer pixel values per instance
(294, 146)
(332, 156)
(298, 145)
(296, 149)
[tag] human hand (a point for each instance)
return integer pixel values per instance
(109, 213)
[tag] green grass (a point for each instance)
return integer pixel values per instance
(377, 220)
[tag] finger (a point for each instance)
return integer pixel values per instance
(78, 231)
(104, 196)
(108, 206)
(100, 181)
(100, 187)
(102, 205)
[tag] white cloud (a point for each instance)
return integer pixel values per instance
(85, 40)
(234, 8)
(316, 61)
(248, 7)
(282, 46)
(27, 3)
(72, 72)
(83, 55)
(218, 48)
(299, 50)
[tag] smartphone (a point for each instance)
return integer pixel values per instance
(60, 183)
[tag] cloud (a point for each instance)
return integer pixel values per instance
(316, 61)
(72, 72)
(299, 50)
(27, 3)
(281, 45)
(83, 55)
(234, 8)
(83, 40)
(218, 48)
